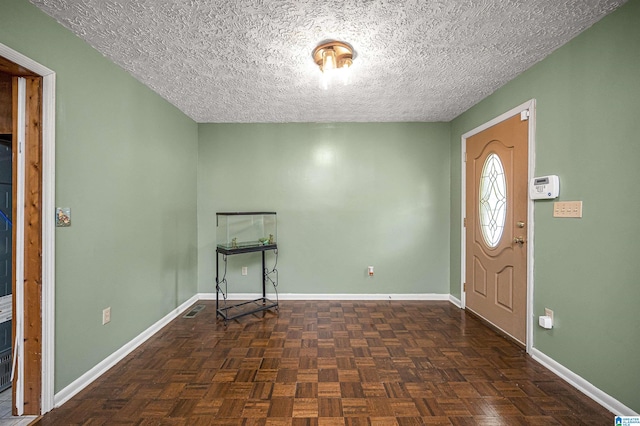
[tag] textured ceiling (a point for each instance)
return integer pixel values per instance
(250, 60)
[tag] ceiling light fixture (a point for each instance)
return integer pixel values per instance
(334, 59)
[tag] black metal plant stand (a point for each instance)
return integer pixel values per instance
(229, 312)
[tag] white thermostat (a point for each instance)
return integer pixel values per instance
(544, 187)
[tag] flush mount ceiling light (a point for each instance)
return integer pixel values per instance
(334, 59)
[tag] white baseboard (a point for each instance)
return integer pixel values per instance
(348, 296)
(602, 398)
(455, 301)
(87, 378)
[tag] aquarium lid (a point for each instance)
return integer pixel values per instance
(242, 213)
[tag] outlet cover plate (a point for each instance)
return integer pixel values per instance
(106, 315)
(548, 313)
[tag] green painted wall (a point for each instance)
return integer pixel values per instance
(347, 196)
(125, 166)
(586, 270)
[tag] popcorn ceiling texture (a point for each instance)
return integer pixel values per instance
(250, 60)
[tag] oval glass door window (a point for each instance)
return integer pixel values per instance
(493, 200)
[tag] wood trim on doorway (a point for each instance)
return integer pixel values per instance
(32, 309)
(33, 249)
(14, 69)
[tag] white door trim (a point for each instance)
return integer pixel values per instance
(530, 105)
(48, 224)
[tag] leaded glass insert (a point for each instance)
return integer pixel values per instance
(493, 200)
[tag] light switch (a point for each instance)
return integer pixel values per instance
(567, 209)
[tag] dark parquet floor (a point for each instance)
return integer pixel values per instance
(330, 363)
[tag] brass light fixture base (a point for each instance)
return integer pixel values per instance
(342, 51)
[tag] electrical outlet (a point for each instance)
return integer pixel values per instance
(244, 270)
(548, 313)
(106, 315)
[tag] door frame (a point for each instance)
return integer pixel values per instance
(530, 105)
(48, 219)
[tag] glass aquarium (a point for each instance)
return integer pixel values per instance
(238, 230)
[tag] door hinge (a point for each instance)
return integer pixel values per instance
(465, 157)
(524, 115)
(464, 287)
(464, 222)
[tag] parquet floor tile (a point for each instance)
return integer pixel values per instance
(327, 363)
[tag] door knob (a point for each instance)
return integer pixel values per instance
(519, 240)
(520, 224)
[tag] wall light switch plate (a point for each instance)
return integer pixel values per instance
(63, 216)
(567, 209)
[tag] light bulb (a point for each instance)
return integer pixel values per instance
(328, 60)
(345, 70)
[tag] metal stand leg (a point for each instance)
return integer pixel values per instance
(264, 281)
(217, 284)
